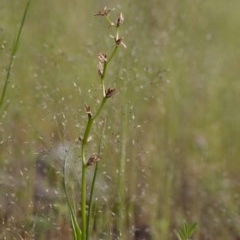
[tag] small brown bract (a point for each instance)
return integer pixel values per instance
(103, 12)
(119, 41)
(120, 20)
(88, 111)
(110, 92)
(93, 159)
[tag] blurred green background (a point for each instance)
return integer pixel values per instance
(177, 106)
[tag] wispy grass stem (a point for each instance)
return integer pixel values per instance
(13, 54)
(93, 182)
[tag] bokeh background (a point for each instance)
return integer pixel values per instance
(174, 124)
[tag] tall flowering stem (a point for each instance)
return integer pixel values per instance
(106, 94)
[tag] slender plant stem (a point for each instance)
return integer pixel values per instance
(93, 182)
(106, 65)
(100, 108)
(91, 199)
(76, 230)
(84, 168)
(83, 205)
(113, 53)
(14, 234)
(86, 214)
(84, 174)
(109, 21)
(122, 167)
(103, 87)
(13, 53)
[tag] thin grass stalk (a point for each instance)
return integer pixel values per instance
(105, 68)
(14, 233)
(93, 183)
(84, 176)
(112, 55)
(13, 54)
(91, 119)
(83, 202)
(77, 234)
(100, 108)
(84, 169)
(84, 165)
(83, 234)
(122, 179)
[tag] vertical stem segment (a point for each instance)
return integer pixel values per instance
(91, 119)
(13, 53)
(93, 182)
(121, 197)
(84, 169)
(83, 205)
(84, 177)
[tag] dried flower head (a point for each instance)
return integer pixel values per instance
(120, 20)
(102, 57)
(103, 12)
(100, 69)
(119, 41)
(102, 60)
(88, 111)
(93, 159)
(79, 140)
(110, 92)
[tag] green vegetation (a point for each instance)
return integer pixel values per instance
(170, 148)
(13, 54)
(104, 61)
(186, 232)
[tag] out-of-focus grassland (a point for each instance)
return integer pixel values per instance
(178, 83)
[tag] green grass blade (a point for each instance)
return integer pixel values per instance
(185, 229)
(13, 53)
(182, 235)
(16, 44)
(178, 235)
(186, 232)
(192, 229)
(77, 234)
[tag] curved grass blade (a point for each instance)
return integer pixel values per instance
(77, 234)
(192, 229)
(13, 53)
(186, 232)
